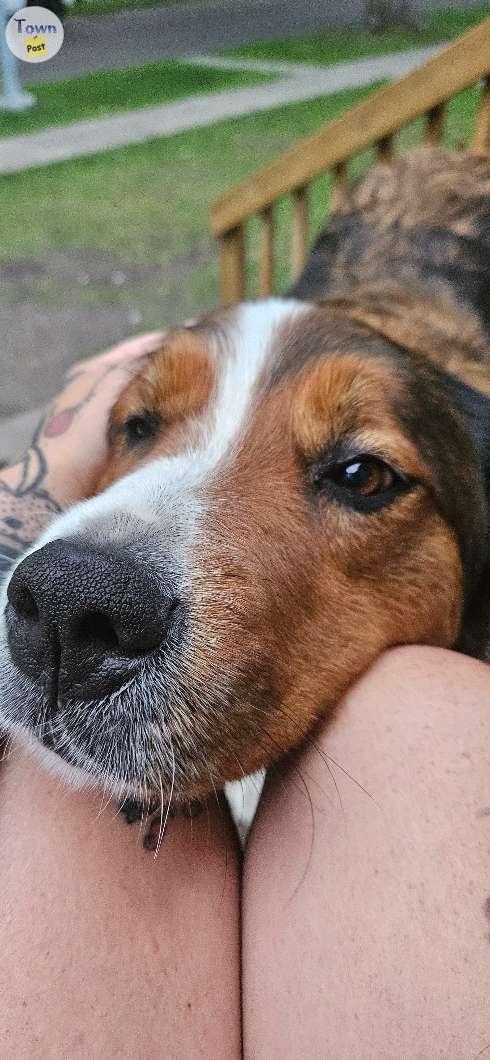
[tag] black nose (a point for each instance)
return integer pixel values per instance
(79, 619)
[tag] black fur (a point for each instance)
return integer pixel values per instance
(433, 257)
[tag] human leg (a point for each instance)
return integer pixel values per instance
(107, 951)
(369, 936)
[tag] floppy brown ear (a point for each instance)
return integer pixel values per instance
(433, 327)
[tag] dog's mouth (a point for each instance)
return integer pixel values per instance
(160, 735)
(131, 757)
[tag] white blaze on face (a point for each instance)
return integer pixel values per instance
(249, 341)
(166, 491)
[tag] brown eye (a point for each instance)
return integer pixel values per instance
(141, 428)
(364, 475)
(364, 482)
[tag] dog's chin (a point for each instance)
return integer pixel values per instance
(80, 773)
(66, 748)
(69, 759)
(147, 742)
(72, 775)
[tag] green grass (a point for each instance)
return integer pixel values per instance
(149, 203)
(148, 200)
(338, 46)
(107, 7)
(119, 90)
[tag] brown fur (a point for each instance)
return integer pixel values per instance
(428, 188)
(435, 328)
(291, 594)
(176, 384)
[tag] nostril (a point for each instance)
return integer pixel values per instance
(111, 635)
(23, 602)
(81, 615)
(96, 628)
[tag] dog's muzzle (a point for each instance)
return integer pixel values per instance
(82, 622)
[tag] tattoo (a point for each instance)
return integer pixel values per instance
(23, 516)
(58, 423)
(25, 507)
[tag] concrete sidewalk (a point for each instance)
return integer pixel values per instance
(298, 82)
(131, 38)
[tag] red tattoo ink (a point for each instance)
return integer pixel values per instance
(60, 422)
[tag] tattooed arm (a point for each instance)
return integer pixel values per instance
(67, 450)
(25, 511)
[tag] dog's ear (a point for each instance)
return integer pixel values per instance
(474, 407)
(315, 279)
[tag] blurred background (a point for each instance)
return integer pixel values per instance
(147, 113)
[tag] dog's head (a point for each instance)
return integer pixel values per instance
(287, 493)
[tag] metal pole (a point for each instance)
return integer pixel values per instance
(14, 97)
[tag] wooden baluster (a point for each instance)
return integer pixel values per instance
(266, 267)
(481, 135)
(299, 240)
(233, 285)
(434, 129)
(384, 148)
(339, 185)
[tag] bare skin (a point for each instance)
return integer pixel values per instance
(372, 941)
(67, 450)
(369, 938)
(107, 951)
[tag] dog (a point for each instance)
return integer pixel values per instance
(293, 485)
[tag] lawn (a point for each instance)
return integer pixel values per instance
(118, 90)
(107, 7)
(146, 207)
(340, 45)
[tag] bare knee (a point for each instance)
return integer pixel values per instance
(366, 876)
(429, 683)
(418, 716)
(107, 950)
(417, 711)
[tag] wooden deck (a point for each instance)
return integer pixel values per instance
(425, 92)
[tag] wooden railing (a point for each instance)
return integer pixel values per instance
(425, 92)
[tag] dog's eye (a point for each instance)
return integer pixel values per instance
(364, 475)
(365, 482)
(141, 428)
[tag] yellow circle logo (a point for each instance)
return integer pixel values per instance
(34, 34)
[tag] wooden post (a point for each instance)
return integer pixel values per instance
(481, 135)
(299, 237)
(434, 129)
(384, 148)
(266, 269)
(233, 287)
(339, 185)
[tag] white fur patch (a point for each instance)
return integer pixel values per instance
(166, 490)
(156, 510)
(250, 342)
